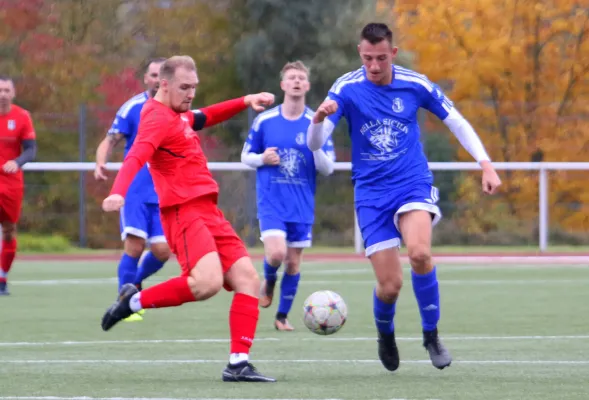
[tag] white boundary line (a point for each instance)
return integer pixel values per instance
(150, 398)
(322, 340)
(302, 361)
(471, 282)
(140, 398)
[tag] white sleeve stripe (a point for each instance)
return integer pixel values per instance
(263, 117)
(132, 102)
(339, 88)
(357, 76)
(415, 79)
(348, 75)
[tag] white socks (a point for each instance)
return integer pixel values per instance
(236, 358)
(135, 302)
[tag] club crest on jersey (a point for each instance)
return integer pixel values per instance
(11, 124)
(383, 138)
(300, 139)
(398, 105)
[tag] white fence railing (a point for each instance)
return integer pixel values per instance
(541, 167)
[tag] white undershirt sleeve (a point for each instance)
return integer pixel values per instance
(323, 162)
(466, 135)
(317, 134)
(253, 160)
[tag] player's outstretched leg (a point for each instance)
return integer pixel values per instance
(389, 275)
(243, 320)
(204, 281)
(416, 227)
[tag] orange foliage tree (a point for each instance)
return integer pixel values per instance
(518, 71)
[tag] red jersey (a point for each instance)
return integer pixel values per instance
(168, 141)
(15, 127)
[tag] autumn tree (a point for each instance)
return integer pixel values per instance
(518, 70)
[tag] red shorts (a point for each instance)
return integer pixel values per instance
(11, 198)
(197, 228)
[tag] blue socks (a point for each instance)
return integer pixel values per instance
(127, 270)
(427, 293)
(149, 266)
(270, 272)
(384, 314)
(288, 290)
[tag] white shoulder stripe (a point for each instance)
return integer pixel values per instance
(415, 79)
(132, 102)
(272, 113)
(350, 77)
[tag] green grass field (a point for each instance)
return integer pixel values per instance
(516, 332)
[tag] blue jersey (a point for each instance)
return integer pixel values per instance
(386, 150)
(126, 123)
(285, 191)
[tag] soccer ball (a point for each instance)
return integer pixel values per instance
(324, 312)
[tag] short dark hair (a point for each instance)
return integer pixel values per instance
(156, 60)
(376, 32)
(5, 78)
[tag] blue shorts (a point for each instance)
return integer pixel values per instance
(297, 235)
(141, 220)
(378, 219)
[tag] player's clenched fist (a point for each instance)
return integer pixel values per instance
(270, 157)
(114, 202)
(259, 101)
(327, 108)
(491, 180)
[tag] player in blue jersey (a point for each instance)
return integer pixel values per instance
(393, 187)
(286, 179)
(140, 218)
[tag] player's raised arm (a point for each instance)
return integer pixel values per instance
(217, 113)
(151, 132)
(437, 103)
(322, 127)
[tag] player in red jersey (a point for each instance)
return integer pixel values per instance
(18, 146)
(210, 253)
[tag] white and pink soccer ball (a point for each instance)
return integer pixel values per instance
(324, 312)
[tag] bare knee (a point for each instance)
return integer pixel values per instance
(8, 231)
(206, 278)
(134, 246)
(161, 251)
(293, 261)
(420, 258)
(275, 256)
(389, 290)
(242, 277)
(275, 250)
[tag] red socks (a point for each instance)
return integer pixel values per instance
(243, 315)
(7, 257)
(170, 293)
(243, 320)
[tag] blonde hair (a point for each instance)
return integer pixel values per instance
(169, 67)
(297, 65)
